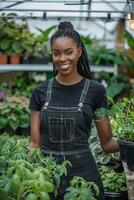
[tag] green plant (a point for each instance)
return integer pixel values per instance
(15, 38)
(41, 47)
(112, 181)
(100, 156)
(101, 55)
(117, 84)
(27, 175)
(130, 39)
(14, 112)
(121, 117)
(81, 190)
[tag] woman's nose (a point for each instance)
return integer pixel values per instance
(62, 57)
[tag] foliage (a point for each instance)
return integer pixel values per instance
(81, 190)
(121, 117)
(42, 47)
(117, 84)
(14, 112)
(23, 85)
(100, 55)
(27, 174)
(124, 60)
(130, 39)
(112, 181)
(15, 38)
(100, 156)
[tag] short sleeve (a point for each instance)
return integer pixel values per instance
(101, 100)
(35, 103)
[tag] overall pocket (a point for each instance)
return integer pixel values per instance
(61, 129)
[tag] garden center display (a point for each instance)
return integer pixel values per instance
(29, 57)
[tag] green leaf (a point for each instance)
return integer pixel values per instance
(14, 123)
(130, 39)
(114, 88)
(3, 122)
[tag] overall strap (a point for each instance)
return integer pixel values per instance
(49, 92)
(84, 92)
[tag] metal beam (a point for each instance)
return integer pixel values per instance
(62, 17)
(14, 3)
(86, 3)
(74, 11)
(66, 2)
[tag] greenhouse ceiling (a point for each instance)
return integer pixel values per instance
(102, 15)
(102, 9)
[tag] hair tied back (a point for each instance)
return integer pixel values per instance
(65, 25)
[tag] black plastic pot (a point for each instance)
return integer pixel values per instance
(129, 154)
(116, 165)
(24, 130)
(116, 195)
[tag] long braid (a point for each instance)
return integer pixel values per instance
(65, 29)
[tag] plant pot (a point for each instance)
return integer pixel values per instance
(129, 153)
(36, 60)
(116, 166)
(15, 59)
(9, 131)
(116, 195)
(3, 59)
(24, 130)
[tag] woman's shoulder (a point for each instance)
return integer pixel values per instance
(97, 85)
(41, 87)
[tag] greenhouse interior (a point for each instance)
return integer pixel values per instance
(66, 99)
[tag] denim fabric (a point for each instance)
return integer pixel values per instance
(64, 135)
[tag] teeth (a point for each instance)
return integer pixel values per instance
(64, 67)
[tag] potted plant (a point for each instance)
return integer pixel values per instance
(101, 55)
(102, 158)
(14, 113)
(114, 184)
(15, 39)
(81, 189)
(41, 50)
(122, 120)
(3, 55)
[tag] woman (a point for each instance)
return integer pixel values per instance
(62, 110)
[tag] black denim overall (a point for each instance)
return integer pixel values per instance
(64, 135)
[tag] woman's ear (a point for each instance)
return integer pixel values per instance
(79, 51)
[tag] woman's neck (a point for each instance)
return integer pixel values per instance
(68, 80)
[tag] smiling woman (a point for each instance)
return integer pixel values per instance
(63, 108)
(65, 58)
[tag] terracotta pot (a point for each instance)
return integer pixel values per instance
(15, 59)
(3, 59)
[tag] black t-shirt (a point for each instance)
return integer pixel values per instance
(69, 95)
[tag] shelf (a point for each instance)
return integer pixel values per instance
(49, 67)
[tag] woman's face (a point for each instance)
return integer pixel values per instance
(65, 54)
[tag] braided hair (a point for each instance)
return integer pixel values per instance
(65, 29)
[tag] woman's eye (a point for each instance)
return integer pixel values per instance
(55, 54)
(69, 52)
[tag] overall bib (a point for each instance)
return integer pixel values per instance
(64, 135)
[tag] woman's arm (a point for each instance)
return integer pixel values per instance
(108, 143)
(35, 130)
